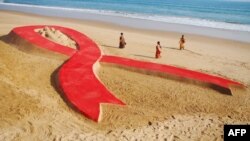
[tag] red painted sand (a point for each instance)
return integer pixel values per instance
(179, 72)
(76, 76)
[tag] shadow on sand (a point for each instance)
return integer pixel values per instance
(110, 46)
(175, 48)
(4, 38)
(144, 56)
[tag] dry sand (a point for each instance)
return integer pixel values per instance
(57, 36)
(157, 108)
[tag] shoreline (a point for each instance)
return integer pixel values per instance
(144, 24)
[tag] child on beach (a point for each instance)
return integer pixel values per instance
(122, 42)
(182, 42)
(158, 50)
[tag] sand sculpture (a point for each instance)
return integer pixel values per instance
(77, 78)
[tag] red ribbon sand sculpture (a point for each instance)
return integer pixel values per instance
(78, 80)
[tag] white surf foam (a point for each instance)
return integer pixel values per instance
(164, 23)
(167, 19)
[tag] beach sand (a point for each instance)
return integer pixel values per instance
(157, 108)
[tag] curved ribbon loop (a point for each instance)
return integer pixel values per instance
(78, 80)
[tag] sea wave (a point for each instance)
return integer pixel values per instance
(158, 18)
(183, 20)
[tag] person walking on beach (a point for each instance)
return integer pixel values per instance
(122, 42)
(182, 42)
(158, 50)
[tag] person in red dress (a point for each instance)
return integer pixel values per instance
(158, 50)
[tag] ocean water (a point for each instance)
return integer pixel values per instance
(222, 14)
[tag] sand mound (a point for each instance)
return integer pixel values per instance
(57, 36)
